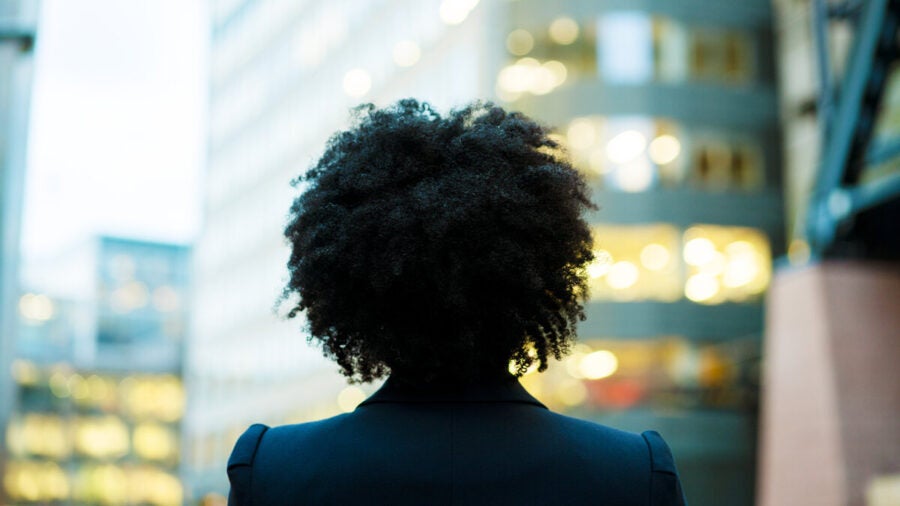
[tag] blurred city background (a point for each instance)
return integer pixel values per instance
(745, 301)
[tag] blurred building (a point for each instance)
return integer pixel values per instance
(99, 396)
(284, 76)
(832, 389)
(670, 110)
(668, 107)
(17, 28)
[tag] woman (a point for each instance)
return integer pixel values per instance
(445, 252)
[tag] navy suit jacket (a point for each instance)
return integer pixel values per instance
(490, 444)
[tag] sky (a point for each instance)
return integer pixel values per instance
(117, 131)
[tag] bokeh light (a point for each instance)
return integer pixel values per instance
(357, 82)
(563, 30)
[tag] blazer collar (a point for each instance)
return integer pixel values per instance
(495, 390)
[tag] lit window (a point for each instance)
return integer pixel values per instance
(635, 263)
(667, 371)
(725, 264)
(101, 437)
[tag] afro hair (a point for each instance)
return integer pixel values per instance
(439, 247)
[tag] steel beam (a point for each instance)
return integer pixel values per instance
(848, 129)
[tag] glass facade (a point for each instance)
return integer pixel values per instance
(670, 114)
(283, 77)
(99, 397)
(93, 437)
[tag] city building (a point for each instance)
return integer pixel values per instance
(98, 392)
(18, 22)
(284, 76)
(669, 108)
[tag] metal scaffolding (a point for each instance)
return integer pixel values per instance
(848, 112)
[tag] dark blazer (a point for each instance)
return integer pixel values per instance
(491, 444)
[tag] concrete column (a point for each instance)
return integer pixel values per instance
(830, 416)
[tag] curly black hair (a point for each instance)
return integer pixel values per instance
(434, 246)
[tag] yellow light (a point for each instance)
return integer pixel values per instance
(110, 483)
(597, 162)
(596, 270)
(699, 251)
(99, 388)
(626, 146)
(45, 435)
(739, 248)
(38, 308)
(664, 149)
(350, 397)
(454, 12)
(572, 363)
(504, 94)
(557, 70)
(634, 176)
(564, 30)
(599, 364)
(715, 266)
(357, 83)
(101, 437)
(571, 392)
(581, 134)
(655, 257)
(514, 369)
(59, 384)
(542, 81)
(601, 264)
(159, 397)
(153, 486)
(519, 42)
(406, 53)
(22, 483)
(36, 481)
(622, 275)
(559, 150)
(701, 287)
(515, 78)
(154, 441)
(78, 387)
(743, 264)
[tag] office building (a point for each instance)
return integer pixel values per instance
(98, 392)
(670, 110)
(284, 76)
